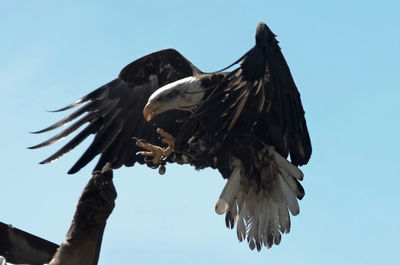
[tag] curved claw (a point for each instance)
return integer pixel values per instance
(147, 159)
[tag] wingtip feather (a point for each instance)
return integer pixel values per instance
(37, 146)
(73, 170)
(44, 130)
(70, 106)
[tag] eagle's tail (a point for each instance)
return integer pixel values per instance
(261, 211)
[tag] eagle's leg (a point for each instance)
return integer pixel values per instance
(168, 139)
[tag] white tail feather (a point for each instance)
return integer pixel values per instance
(229, 192)
(284, 220)
(262, 214)
(287, 167)
(290, 198)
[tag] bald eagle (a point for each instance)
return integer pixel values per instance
(245, 123)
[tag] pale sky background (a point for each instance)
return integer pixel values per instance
(344, 56)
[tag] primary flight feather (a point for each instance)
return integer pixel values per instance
(245, 123)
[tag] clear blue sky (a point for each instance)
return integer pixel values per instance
(344, 56)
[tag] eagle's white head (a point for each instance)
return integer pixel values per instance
(184, 94)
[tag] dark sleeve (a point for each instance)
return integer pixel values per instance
(83, 240)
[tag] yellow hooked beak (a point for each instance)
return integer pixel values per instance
(150, 110)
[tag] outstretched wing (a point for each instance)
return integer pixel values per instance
(261, 96)
(114, 112)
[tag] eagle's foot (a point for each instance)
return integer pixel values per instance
(154, 151)
(158, 153)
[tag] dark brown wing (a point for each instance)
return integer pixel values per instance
(261, 96)
(114, 112)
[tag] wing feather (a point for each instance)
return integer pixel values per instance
(275, 114)
(82, 135)
(114, 112)
(66, 132)
(67, 119)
